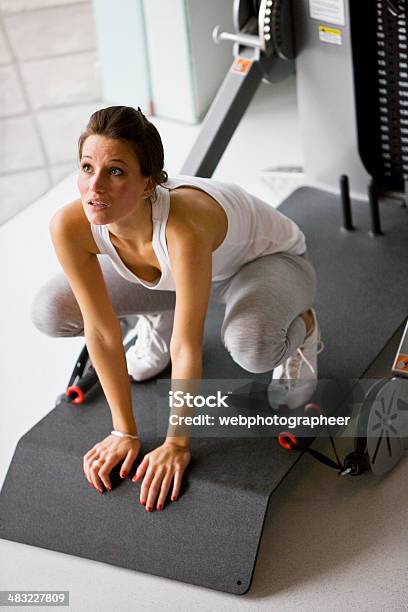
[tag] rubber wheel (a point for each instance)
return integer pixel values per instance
(357, 462)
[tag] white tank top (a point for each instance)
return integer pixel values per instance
(254, 229)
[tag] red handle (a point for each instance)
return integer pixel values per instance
(314, 407)
(283, 440)
(80, 396)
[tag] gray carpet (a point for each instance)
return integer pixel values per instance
(210, 536)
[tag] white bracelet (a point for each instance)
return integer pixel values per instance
(124, 435)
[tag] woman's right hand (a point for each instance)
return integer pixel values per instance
(102, 458)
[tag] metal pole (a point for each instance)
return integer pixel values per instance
(346, 203)
(374, 209)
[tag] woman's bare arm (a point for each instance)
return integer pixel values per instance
(190, 252)
(70, 236)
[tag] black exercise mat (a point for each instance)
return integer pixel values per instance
(210, 536)
(362, 280)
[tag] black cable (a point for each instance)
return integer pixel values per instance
(324, 459)
(332, 443)
(315, 406)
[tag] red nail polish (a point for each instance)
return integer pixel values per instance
(174, 499)
(149, 508)
(159, 507)
(143, 502)
(123, 474)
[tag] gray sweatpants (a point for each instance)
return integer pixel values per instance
(263, 301)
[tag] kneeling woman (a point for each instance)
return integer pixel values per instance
(172, 244)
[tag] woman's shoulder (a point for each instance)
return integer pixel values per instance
(197, 214)
(198, 182)
(71, 218)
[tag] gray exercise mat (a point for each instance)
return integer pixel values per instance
(210, 536)
(362, 292)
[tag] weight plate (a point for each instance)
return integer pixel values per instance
(387, 426)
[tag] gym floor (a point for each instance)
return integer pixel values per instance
(44, 113)
(329, 543)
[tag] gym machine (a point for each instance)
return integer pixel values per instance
(352, 100)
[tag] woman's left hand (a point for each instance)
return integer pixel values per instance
(160, 467)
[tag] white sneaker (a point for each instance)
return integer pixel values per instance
(294, 382)
(150, 354)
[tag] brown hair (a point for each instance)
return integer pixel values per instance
(130, 125)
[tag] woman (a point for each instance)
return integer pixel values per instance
(172, 245)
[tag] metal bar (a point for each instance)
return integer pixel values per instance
(247, 40)
(346, 202)
(374, 209)
(223, 117)
(79, 367)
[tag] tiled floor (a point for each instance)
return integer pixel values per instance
(49, 86)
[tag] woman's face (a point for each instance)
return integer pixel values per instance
(110, 180)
